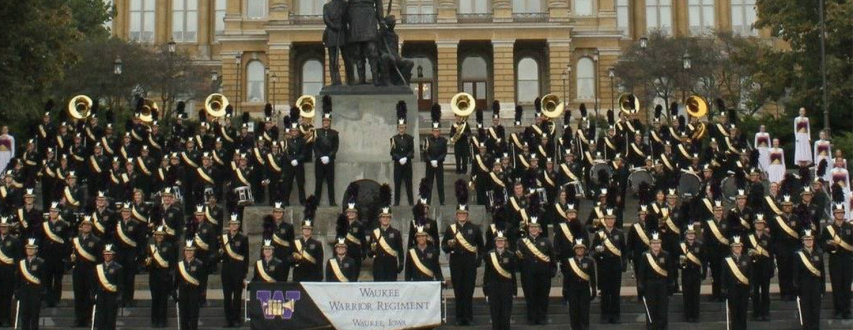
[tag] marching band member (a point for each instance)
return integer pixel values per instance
(56, 234)
(579, 284)
(837, 240)
(435, 150)
(785, 231)
(340, 267)
(281, 234)
(235, 265)
(691, 258)
(307, 251)
(386, 243)
(295, 150)
(802, 133)
(609, 243)
(567, 229)
(160, 260)
(463, 241)
(421, 219)
(538, 265)
(735, 284)
(129, 234)
(499, 283)
(460, 133)
(761, 252)
(10, 254)
(189, 287)
(422, 259)
(654, 282)
(29, 216)
(716, 239)
(809, 279)
(109, 290)
(29, 286)
(85, 259)
(638, 238)
(403, 155)
(269, 269)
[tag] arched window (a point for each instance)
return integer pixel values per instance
(184, 20)
(256, 8)
(422, 81)
(312, 77)
(255, 81)
(474, 77)
(586, 79)
(142, 20)
(528, 80)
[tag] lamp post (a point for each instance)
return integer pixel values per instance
(214, 80)
(171, 48)
(238, 60)
(687, 64)
(118, 67)
(273, 79)
(644, 42)
(595, 59)
(825, 104)
(611, 74)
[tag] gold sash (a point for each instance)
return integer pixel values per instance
(568, 172)
(560, 211)
(201, 243)
(42, 131)
(124, 238)
(259, 265)
(655, 266)
(609, 143)
(22, 266)
(564, 227)
(60, 142)
(516, 141)
(6, 259)
(837, 239)
(258, 156)
(273, 163)
(512, 200)
(102, 279)
(106, 146)
(610, 246)
(153, 143)
(637, 150)
(669, 223)
(788, 230)
(82, 252)
(533, 249)
(684, 152)
(383, 243)
(169, 231)
(480, 164)
(141, 163)
(22, 219)
(69, 197)
(204, 176)
(497, 266)
(353, 239)
(524, 218)
(548, 179)
(736, 271)
(493, 133)
(772, 204)
(336, 268)
(708, 205)
(497, 180)
(217, 159)
(461, 239)
(808, 264)
(182, 268)
(187, 159)
(722, 130)
(757, 246)
(302, 252)
(280, 241)
(125, 178)
(641, 233)
(123, 153)
(50, 234)
(690, 256)
(666, 162)
(578, 271)
(94, 164)
(137, 215)
(419, 265)
(228, 249)
(162, 262)
(537, 129)
(225, 134)
(655, 136)
(209, 217)
(523, 161)
(242, 179)
(716, 231)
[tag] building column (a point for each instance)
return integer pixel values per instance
(559, 58)
(279, 10)
(162, 22)
(233, 16)
(279, 62)
(501, 11)
(558, 10)
(205, 34)
(448, 69)
(503, 70)
(447, 11)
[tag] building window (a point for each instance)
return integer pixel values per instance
(583, 7)
(255, 81)
(142, 20)
(184, 20)
(474, 7)
(526, 6)
(743, 16)
(659, 15)
(623, 16)
(419, 12)
(475, 76)
(219, 17)
(312, 77)
(586, 79)
(528, 80)
(256, 8)
(311, 7)
(701, 16)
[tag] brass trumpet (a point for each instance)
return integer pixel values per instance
(79, 107)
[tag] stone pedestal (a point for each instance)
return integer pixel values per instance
(366, 123)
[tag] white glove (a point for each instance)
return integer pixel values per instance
(403, 161)
(294, 162)
(324, 159)
(434, 163)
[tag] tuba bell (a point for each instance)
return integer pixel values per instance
(79, 107)
(551, 106)
(215, 105)
(629, 103)
(697, 107)
(306, 105)
(462, 104)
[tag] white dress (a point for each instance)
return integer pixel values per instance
(776, 170)
(7, 151)
(802, 147)
(823, 150)
(841, 176)
(762, 143)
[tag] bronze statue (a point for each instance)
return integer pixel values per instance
(335, 39)
(363, 19)
(396, 70)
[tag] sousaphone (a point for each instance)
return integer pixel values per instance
(551, 106)
(146, 114)
(462, 104)
(306, 105)
(629, 103)
(215, 105)
(79, 107)
(697, 107)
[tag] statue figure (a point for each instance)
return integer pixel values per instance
(335, 39)
(363, 18)
(391, 59)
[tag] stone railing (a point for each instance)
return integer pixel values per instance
(530, 17)
(474, 18)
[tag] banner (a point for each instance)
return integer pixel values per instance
(355, 305)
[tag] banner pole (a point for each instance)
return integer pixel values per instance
(246, 302)
(444, 305)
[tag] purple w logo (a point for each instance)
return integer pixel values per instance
(275, 304)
